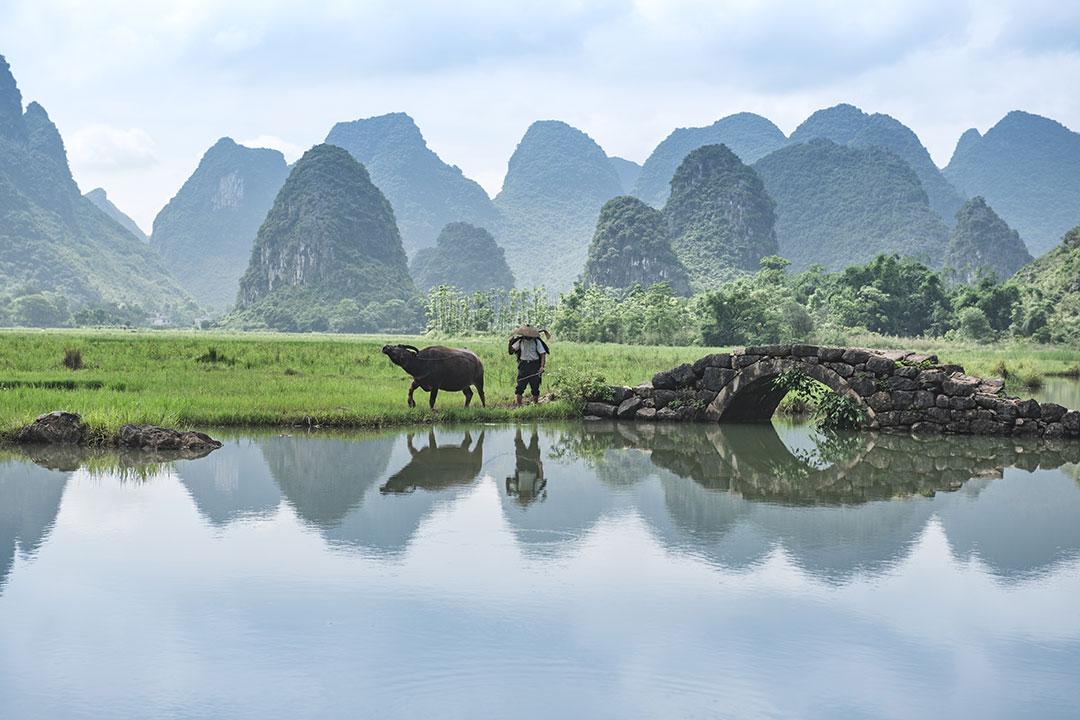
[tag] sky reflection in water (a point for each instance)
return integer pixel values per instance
(567, 571)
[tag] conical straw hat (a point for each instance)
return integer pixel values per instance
(527, 331)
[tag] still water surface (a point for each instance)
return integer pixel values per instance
(601, 571)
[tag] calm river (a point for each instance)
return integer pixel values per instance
(600, 571)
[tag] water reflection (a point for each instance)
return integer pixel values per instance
(528, 483)
(438, 468)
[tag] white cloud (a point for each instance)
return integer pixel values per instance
(286, 148)
(103, 147)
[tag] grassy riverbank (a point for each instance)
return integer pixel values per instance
(189, 379)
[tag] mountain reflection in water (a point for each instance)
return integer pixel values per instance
(837, 505)
(599, 570)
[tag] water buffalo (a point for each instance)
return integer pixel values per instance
(439, 368)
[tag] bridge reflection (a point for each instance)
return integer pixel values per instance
(839, 507)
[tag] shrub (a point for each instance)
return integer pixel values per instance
(73, 359)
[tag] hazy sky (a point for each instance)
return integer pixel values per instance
(140, 88)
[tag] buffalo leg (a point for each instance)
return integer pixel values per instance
(480, 391)
(412, 389)
(434, 394)
(468, 395)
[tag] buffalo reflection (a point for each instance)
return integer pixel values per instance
(527, 484)
(438, 468)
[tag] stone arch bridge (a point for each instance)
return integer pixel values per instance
(896, 390)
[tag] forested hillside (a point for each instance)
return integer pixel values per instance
(556, 182)
(464, 256)
(1028, 169)
(840, 205)
(748, 135)
(60, 255)
(425, 192)
(329, 254)
(982, 243)
(206, 231)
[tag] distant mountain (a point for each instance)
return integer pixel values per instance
(848, 125)
(720, 217)
(425, 192)
(329, 238)
(840, 205)
(632, 245)
(981, 242)
(102, 202)
(627, 170)
(464, 256)
(205, 233)
(1028, 168)
(55, 241)
(1051, 290)
(748, 135)
(556, 182)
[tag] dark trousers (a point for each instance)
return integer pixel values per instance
(528, 375)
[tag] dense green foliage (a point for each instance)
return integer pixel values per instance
(53, 241)
(453, 312)
(628, 172)
(838, 205)
(557, 180)
(832, 410)
(206, 231)
(719, 215)
(632, 246)
(424, 191)
(1050, 293)
(330, 237)
(101, 201)
(982, 243)
(848, 125)
(464, 256)
(1028, 168)
(635, 316)
(748, 135)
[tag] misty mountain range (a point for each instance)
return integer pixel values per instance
(845, 185)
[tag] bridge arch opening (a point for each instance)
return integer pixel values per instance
(752, 395)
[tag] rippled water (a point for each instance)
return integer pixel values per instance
(600, 571)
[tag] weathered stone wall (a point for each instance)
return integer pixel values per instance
(897, 390)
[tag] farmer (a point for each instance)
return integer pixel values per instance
(532, 355)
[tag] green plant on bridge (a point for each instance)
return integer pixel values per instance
(832, 410)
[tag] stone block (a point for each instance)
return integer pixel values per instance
(716, 378)
(804, 350)
(901, 383)
(663, 381)
(863, 385)
(619, 393)
(770, 350)
(721, 360)
(937, 414)
(683, 375)
(663, 398)
(705, 396)
(923, 399)
(930, 378)
(644, 390)
(1054, 429)
(961, 403)
(841, 368)
(830, 354)
(646, 414)
(628, 407)
(666, 415)
(942, 401)
(855, 357)
(598, 409)
(907, 371)
(1052, 412)
(1028, 409)
(958, 387)
(880, 365)
(880, 401)
(746, 360)
(1071, 421)
(903, 399)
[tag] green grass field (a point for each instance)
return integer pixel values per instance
(327, 380)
